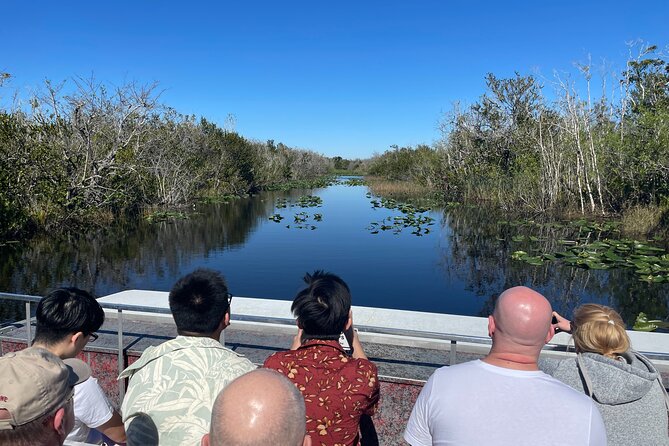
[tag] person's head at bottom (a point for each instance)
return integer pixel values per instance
(259, 408)
(36, 390)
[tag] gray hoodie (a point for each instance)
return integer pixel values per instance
(627, 392)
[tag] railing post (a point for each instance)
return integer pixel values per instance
(28, 327)
(454, 350)
(121, 365)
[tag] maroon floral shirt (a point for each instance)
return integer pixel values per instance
(337, 389)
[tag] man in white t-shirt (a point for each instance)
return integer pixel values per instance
(504, 399)
(67, 319)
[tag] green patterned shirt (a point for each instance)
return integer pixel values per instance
(172, 389)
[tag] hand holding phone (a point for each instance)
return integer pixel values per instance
(346, 340)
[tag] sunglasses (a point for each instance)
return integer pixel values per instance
(93, 337)
(229, 297)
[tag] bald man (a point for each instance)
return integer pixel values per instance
(260, 408)
(504, 399)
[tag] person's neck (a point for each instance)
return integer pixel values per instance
(513, 361)
(193, 334)
(54, 348)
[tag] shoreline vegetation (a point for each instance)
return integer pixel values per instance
(92, 153)
(570, 156)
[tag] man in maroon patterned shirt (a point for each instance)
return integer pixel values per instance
(338, 389)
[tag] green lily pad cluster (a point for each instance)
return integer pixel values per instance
(411, 218)
(300, 220)
(420, 225)
(354, 182)
(309, 201)
(405, 208)
(643, 324)
(649, 262)
(160, 216)
(305, 201)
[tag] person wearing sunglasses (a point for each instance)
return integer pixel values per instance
(67, 319)
(172, 386)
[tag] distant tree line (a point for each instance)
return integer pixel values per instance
(518, 150)
(101, 151)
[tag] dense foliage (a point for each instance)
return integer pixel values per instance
(520, 151)
(96, 152)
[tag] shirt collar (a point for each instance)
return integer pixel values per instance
(325, 342)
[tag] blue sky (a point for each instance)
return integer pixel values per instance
(341, 78)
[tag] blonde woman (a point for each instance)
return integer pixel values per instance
(623, 383)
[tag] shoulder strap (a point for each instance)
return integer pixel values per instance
(587, 382)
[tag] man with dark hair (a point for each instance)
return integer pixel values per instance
(36, 390)
(67, 319)
(173, 386)
(338, 389)
(258, 409)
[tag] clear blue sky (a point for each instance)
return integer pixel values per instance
(345, 78)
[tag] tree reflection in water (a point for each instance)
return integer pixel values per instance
(480, 251)
(459, 267)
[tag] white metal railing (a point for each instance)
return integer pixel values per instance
(452, 338)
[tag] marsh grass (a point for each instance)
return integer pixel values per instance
(398, 190)
(641, 219)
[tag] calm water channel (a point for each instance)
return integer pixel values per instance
(459, 267)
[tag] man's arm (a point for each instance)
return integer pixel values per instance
(597, 428)
(113, 428)
(417, 432)
(92, 408)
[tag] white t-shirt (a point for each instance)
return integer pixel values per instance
(476, 403)
(91, 409)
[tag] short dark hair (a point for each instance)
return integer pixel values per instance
(199, 301)
(65, 311)
(322, 308)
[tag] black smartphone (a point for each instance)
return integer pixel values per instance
(346, 340)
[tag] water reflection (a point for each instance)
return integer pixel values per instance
(480, 254)
(459, 267)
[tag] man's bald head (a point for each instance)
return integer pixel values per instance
(259, 408)
(522, 317)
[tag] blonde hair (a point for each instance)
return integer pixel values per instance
(599, 329)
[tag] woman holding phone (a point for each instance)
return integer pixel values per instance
(624, 384)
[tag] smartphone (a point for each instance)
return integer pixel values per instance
(346, 340)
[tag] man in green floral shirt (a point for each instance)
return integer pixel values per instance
(173, 386)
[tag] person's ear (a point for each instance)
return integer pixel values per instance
(491, 325)
(76, 337)
(60, 422)
(551, 333)
(349, 322)
(205, 440)
(226, 319)
(298, 323)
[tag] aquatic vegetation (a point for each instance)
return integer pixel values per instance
(410, 218)
(649, 262)
(282, 203)
(354, 182)
(160, 216)
(643, 324)
(308, 201)
(276, 218)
